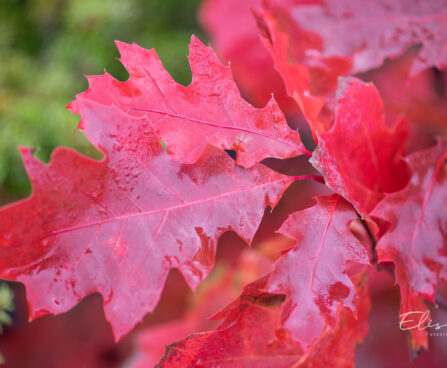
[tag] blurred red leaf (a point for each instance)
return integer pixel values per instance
(314, 42)
(234, 34)
(421, 99)
(311, 83)
(79, 338)
(369, 31)
(223, 285)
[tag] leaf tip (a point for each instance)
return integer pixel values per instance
(27, 152)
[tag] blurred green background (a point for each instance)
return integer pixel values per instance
(47, 46)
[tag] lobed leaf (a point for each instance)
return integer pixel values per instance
(242, 341)
(187, 119)
(313, 275)
(118, 226)
(360, 157)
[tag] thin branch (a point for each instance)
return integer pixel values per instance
(306, 152)
(317, 178)
(371, 238)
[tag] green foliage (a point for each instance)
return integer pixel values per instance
(6, 305)
(46, 45)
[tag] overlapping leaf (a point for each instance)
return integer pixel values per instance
(220, 288)
(251, 335)
(360, 157)
(422, 101)
(417, 237)
(208, 111)
(118, 226)
(314, 42)
(232, 29)
(252, 338)
(369, 31)
(313, 274)
(311, 83)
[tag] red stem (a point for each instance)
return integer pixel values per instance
(317, 178)
(306, 152)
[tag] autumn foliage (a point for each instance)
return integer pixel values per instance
(182, 165)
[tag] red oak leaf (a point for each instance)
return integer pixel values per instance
(209, 111)
(369, 31)
(249, 336)
(118, 226)
(242, 341)
(313, 274)
(360, 157)
(422, 101)
(417, 238)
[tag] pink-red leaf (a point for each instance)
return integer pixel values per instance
(310, 83)
(313, 274)
(360, 157)
(208, 111)
(241, 338)
(118, 226)
(234, 35)
(314, 42)
(369, 31)
(417, 237)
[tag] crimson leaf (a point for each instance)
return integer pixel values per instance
(251, 335)
(118, 226)
(209, 111)
(360, 157)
